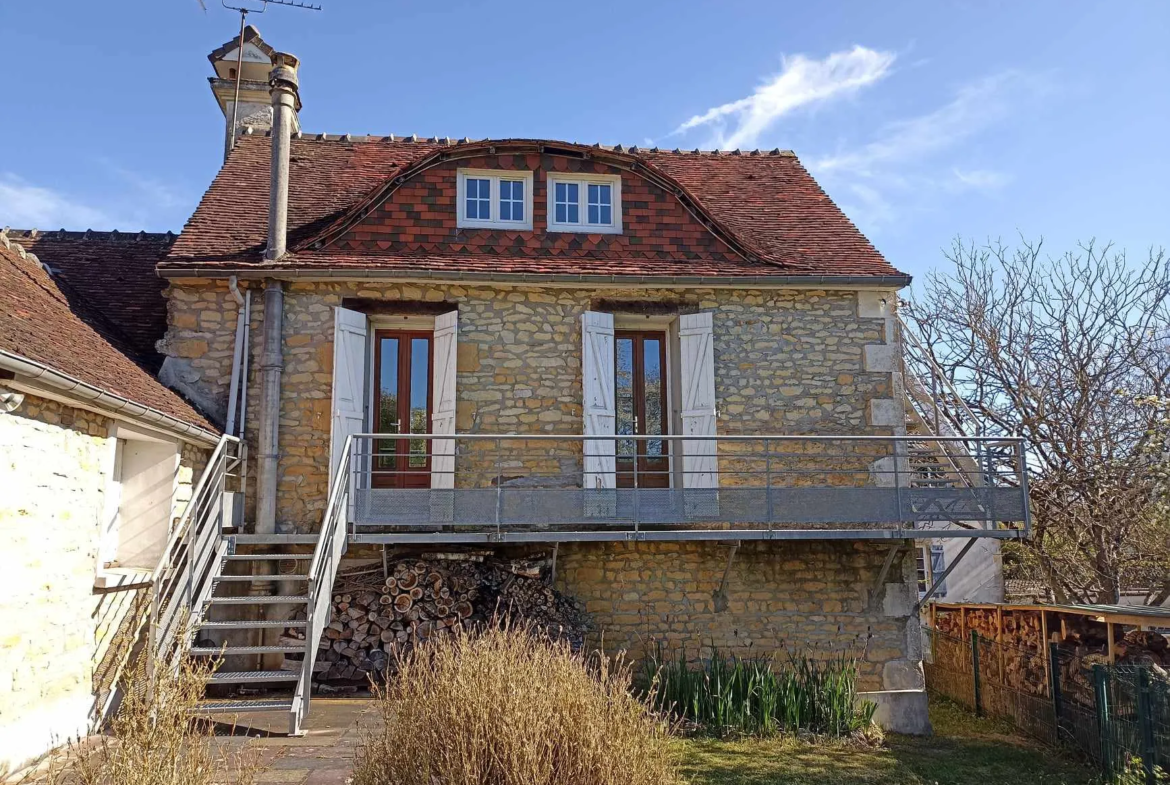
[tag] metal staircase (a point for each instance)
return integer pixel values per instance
(202, 605)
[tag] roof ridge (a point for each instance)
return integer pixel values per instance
(19, 250)
(113, 235)
(249, 130)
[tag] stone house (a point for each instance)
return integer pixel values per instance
(680, 371)
(96, 462)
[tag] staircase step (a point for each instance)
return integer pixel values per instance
(212, 651)
(279, 599)
(246, 624)
(252, 677)
(241, 706)
(266, 556)
(255, 578)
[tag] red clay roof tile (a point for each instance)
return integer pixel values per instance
(48, 322)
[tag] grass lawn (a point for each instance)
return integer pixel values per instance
(965, 750)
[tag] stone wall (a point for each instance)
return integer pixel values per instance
(787, 361)
(59, 648)
(811, 596)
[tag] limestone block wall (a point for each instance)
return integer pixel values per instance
(60, 651)
(787, 361)
(818, 597)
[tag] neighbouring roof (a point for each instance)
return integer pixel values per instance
(115, 273)
(764, 205)
(46, 321)
(251, 36)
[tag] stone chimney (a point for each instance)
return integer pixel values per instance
(282, 86)
(255, 108)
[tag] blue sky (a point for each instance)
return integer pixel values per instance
(923, 120)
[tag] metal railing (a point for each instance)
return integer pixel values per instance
(186, 571)
(477, 488)
(327, 555)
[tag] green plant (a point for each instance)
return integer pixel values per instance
(508, 706)
(1134, 773)
(760, 696)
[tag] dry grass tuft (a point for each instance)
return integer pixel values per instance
(155, 740)
(507, 706)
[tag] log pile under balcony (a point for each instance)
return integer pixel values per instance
(378, 617)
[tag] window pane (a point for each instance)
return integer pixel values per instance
(561, 213)
(594, 216)
(606, 215)
(420, 381)
(624, 393)
(652, 384)
(387, 415)
(573, 193)
(478, 199)
(511, 200)
(574, 214)
(505, 211)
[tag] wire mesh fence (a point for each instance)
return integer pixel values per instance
(1116, 715)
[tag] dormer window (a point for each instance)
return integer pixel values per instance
(494, 199)
(585, 203)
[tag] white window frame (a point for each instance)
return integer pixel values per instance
(494, 176)
(583, 182)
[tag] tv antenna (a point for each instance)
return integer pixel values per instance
(243, 11)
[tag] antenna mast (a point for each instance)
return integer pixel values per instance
(244, 11)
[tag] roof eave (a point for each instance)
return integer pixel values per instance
(896, 281)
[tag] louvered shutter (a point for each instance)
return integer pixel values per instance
(600, 410)
(697, 371)
(350, 331)
(443, 403)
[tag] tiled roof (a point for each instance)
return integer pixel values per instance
(764, 205)
(115, 273)
(50, 323)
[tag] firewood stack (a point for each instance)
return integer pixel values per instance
(374, 619)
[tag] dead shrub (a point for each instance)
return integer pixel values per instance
(155, 740)
(508, 706)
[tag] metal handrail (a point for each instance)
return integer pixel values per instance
(183, 577)
(331, 545)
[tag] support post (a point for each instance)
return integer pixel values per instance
(1054, 684)
(1044, 650)
(975, 673)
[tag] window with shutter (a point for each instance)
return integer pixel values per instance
(443, 416)
(599, 409)
(697, 372)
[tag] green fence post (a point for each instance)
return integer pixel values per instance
(1104, 721)
(1146, 724)
(975, 671)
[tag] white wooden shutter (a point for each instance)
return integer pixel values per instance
(443, 401)
(350, 331)
(697, 370)
(600, 409)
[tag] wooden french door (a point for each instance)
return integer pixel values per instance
(403, 370)
(641, 404)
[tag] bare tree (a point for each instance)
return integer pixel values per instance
(1073, 354)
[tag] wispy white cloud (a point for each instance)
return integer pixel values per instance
(975, 107)
(980, 179)
(908, 165)
(25, 205)
(150, 190)
(802, 81)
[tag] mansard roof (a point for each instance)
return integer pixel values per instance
(764, 206)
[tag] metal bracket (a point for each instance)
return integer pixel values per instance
(942, 578)
(720, 594)
(552, 572)
(881, 579)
